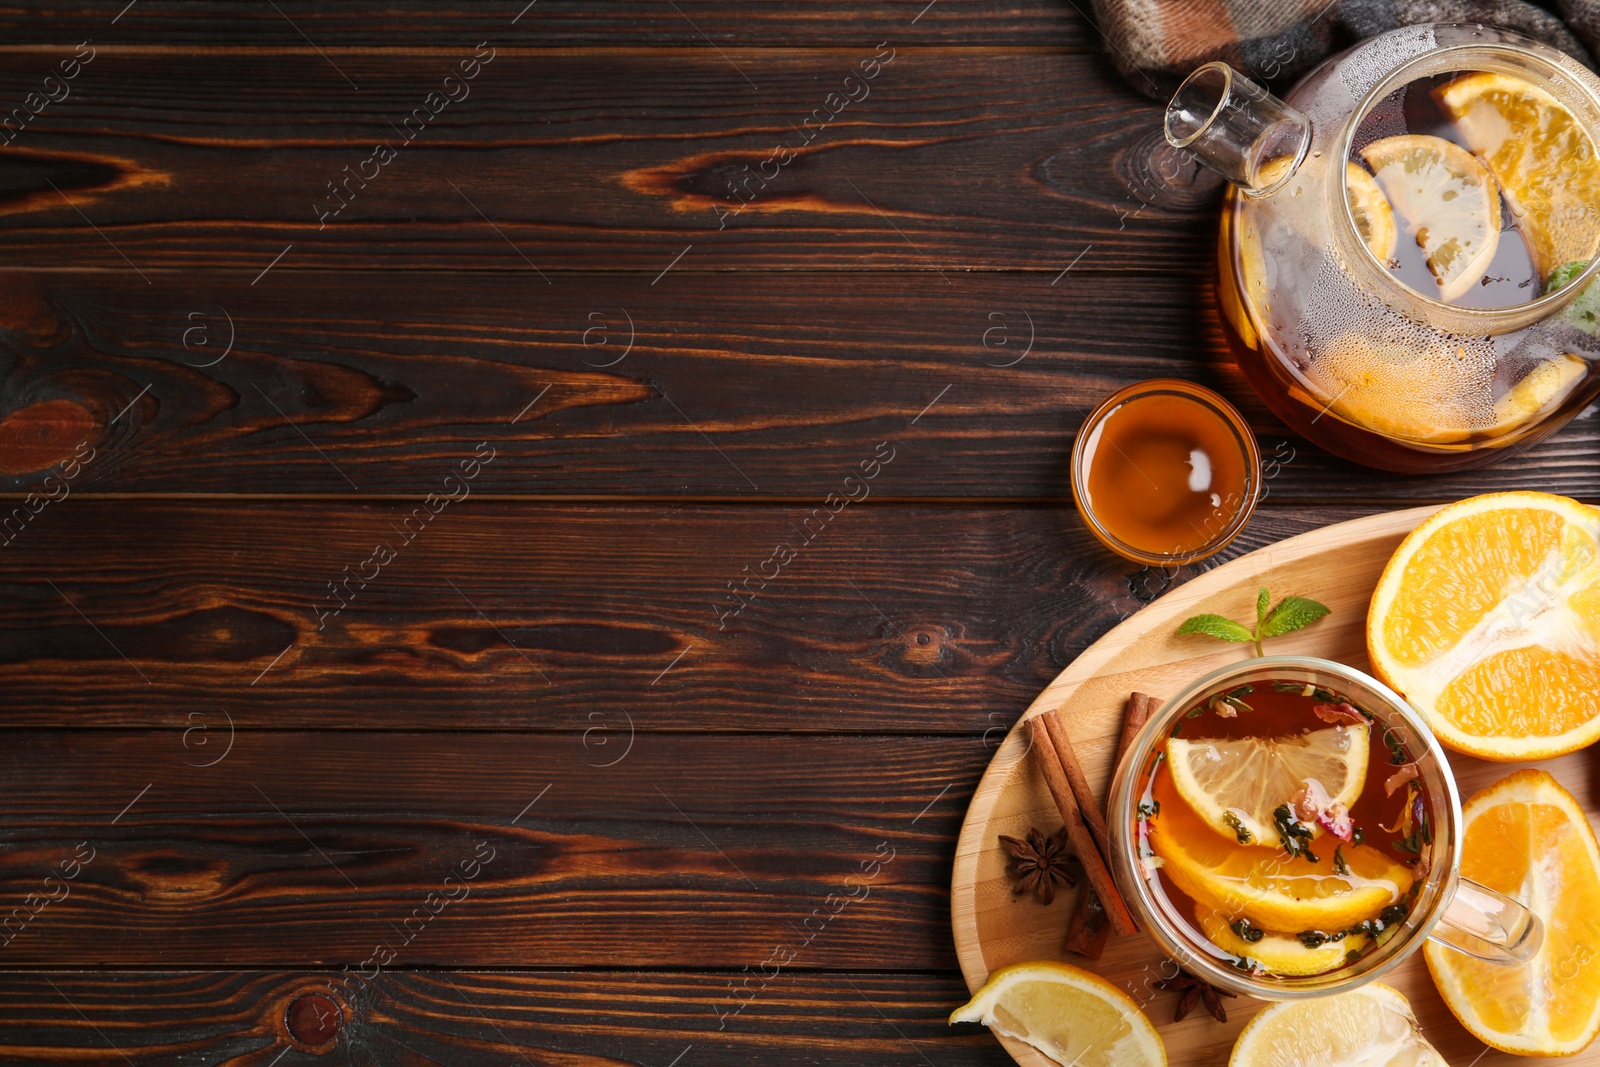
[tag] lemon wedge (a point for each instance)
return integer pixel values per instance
(1372, 1026)
(1539, 390)
(1073, 1017)
(1236, 784)
(1447, 201)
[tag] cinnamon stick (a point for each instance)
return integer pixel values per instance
(1087, 805)
(1094, 864)
(1138, 713)
(1089, 926)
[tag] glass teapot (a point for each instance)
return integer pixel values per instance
(1406, 250)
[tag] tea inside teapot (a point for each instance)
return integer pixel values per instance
(1406, 255)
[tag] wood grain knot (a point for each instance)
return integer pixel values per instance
(33, 180)
(721, 180)
(26, 314)
(313, 1019)
(1153, 175)
(219, 635)
(925, 644)
(43, 434)
(176, 878)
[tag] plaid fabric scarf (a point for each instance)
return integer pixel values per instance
(1156, 43)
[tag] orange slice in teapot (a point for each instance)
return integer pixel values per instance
(1542, 157)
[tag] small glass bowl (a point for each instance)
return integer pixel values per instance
(1228, 517)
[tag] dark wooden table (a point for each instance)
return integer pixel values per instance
(394, 603)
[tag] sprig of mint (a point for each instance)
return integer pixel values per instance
(1290, 614)
(1584, 311)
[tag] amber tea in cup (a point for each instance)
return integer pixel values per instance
(1165, 471)
(1288, 826)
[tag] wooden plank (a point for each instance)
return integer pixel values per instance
(469, 1019)
(392, 379)
(418, 24)
(947, 161)
(324, 849)
(174, 613)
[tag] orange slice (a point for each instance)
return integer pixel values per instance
(1542, 157)
(1528, 838)
(1487, 619)
(1264, 885)
(1412, 388)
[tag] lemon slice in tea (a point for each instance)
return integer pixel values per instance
(1539, 390)
(1447, 201)
(1277, 952)
(1542, 157)
(1236, 784)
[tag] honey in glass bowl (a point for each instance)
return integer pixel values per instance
(1165, 471)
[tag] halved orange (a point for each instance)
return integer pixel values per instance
(1265, 885)
(1542, 157)
(1528, 838)
(1487, 619)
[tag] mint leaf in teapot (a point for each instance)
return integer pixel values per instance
(1584, 311)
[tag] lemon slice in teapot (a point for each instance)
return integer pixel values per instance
(1446, 200)
(1374, 217)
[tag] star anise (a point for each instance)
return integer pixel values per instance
(1040, 863)
(1194, 991)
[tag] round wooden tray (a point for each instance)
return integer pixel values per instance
(1338, 565)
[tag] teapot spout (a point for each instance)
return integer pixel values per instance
(1238, 129)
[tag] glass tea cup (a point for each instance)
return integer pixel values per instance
(1449, 909)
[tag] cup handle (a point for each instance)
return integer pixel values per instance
(1489, 926)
